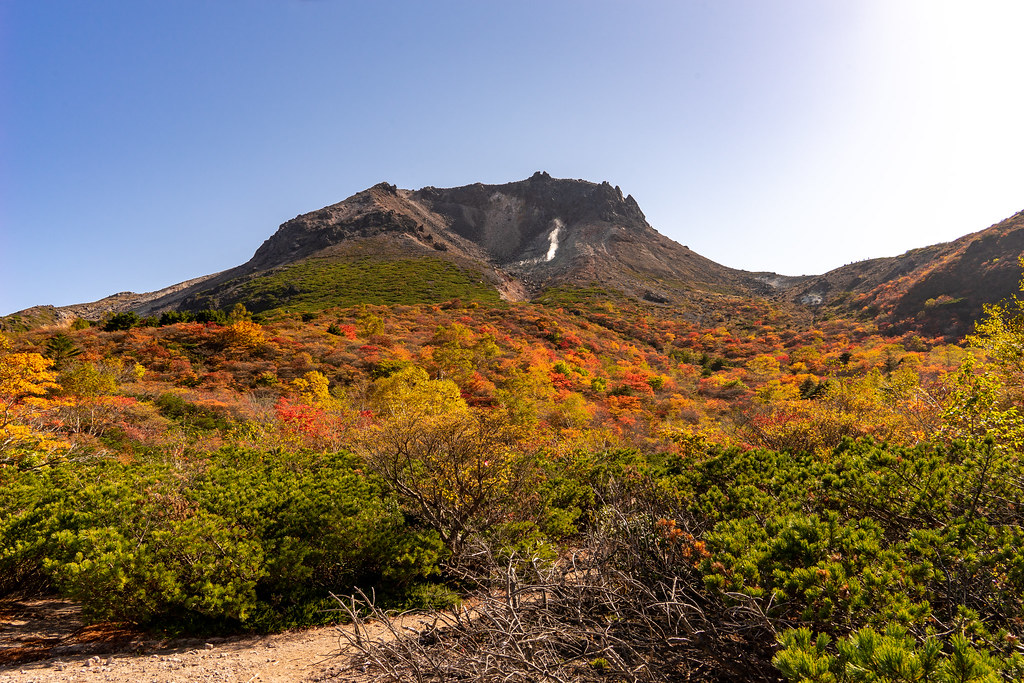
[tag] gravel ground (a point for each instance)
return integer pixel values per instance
(44, 641)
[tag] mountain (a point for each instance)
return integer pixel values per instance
(518, 238)
(509, 241)
(513, 241)
(939, 290)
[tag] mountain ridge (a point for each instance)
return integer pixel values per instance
(939, 289)
(523, 237)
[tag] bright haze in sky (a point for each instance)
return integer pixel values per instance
(145, 143)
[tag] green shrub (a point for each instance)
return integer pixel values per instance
(871, 536)
(189, 415)
(121, 321)
(893, 656)
(314, 284)
(239, 539)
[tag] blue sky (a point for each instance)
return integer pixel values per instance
(143, 143)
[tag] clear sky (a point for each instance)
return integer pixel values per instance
(145, 142)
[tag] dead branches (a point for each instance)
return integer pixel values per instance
(623, 607)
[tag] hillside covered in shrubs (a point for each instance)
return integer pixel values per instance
(620, 491)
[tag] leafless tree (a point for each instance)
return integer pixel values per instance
(626, 605)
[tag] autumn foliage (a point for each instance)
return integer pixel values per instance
(818, 468)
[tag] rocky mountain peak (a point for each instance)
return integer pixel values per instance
(523, 237)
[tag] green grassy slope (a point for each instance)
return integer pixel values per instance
(320, 283)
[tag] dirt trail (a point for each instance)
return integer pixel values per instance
(44, 641)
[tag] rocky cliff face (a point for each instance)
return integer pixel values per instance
(547, 231)
(529, 221)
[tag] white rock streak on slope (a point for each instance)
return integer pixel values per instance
(552, 246)
(553, 239)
